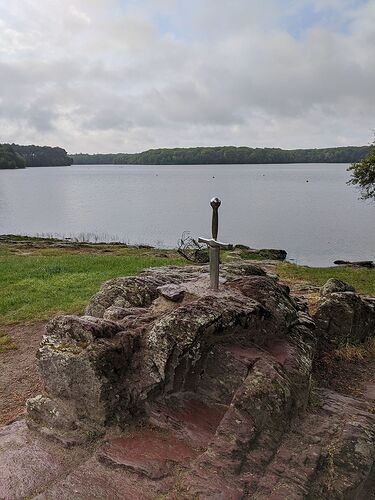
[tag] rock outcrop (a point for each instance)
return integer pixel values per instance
(335, 285)
(169, 390)
(263, 253)
(343, 316)
(361, 263)
(139, 344)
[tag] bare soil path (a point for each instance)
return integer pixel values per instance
(19, 378)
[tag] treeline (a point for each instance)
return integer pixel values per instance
(227, 155)
(43, 156)
(15, 156)
(97, 159)
(9, 159)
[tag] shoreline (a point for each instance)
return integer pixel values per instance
(41, 277)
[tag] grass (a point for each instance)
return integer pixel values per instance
(41, 281)
(357, 352)
(246, 255)
(6, 343)
(362, 279)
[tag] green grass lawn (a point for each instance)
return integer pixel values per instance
(37, 283)
(362, 279)
(38, 280)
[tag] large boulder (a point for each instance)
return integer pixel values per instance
(100, 372)
(273, 253)
(335, 285)
(343, 316)
(83, 363)
(262, 254)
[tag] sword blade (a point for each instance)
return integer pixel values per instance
(214, 267)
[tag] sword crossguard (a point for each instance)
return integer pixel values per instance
(213, 243)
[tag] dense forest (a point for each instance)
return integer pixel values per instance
(227, 154)
(43, 156)
(97, 159)
(15, 156)
(9, 159)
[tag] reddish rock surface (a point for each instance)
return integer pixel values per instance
(206, 398)
(188, 418)
(148, 452)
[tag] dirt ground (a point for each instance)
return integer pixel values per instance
(19, 379)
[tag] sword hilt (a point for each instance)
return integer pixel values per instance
(215, 204)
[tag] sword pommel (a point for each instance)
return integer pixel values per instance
(215, 204)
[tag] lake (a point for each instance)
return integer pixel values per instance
(306, 209)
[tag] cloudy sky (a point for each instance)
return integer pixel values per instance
(129, 75)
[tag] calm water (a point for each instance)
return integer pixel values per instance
(263, 206)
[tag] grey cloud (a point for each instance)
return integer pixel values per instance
(95, 77)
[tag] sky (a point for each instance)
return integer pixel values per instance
(130, 75)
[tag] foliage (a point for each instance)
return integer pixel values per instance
(38, 282)
(363, 175)
(227, 155)
(43, 156)
(96, 159)
(9, 159)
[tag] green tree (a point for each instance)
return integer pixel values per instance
(363, 175)
(42, 156)
(9, 159)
